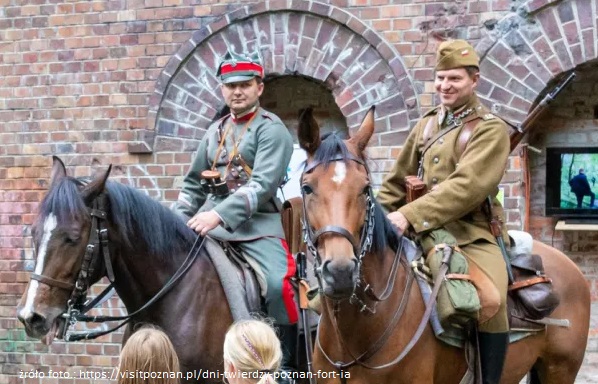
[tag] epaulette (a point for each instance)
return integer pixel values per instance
(432, 111)
(488, 116)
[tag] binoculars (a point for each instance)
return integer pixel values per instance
(211, 182)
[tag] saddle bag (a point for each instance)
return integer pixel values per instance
(458, 302)
(532, 289)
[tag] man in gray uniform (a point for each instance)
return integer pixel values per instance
(230, 189)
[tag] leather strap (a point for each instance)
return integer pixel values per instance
(53, 282)
(458, 276)
(529, 282)
(429, 128)
(464, 137)
(467, 121)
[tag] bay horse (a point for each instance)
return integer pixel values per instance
(147, 243)
(371, 309)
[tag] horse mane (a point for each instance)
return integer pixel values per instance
(138, 217)
(385, 235)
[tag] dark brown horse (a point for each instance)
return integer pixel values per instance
(147, 244)
(362, 329)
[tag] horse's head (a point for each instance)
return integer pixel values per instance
(60, 234)
(338, 202)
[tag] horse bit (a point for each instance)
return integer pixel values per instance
(311, 239)
(367, 232)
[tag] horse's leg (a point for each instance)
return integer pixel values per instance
(554, 372)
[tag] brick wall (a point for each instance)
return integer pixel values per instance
(130, 83)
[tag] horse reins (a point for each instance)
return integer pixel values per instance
(99, 244)
(311, 240)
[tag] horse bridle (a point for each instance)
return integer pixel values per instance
(311, 239)
(98, 246)
(367, 232)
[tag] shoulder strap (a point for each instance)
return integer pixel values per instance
(464, 136)
(429, 128)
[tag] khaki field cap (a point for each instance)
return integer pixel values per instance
(456, 54)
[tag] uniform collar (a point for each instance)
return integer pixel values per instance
(244, 116)
(446, 117)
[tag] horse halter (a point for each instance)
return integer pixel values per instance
(98, 243)
(97, 246)
(367, 232)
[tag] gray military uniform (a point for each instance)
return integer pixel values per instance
(251, 212)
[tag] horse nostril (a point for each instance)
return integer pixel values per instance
(37, 319)
(32, 319)
(339, 269)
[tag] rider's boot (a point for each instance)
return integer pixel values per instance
(288, 341)
(493, 350)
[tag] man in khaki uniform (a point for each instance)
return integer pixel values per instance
(458, 183)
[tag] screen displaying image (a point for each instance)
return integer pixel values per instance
(579, 174)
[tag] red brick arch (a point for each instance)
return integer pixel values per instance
(295, 37)
(518, 66)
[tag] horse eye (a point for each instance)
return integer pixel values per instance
(71, 240)
(306, 189)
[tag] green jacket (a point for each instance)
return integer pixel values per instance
(461, 183)
(253, 210)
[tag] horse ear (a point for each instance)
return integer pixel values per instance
(96, 186)
(58, 171)
(365, 131)
(309, 131)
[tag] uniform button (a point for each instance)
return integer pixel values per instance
(436, 160)
(441, 140)
(426, 224)
(238, 184)
(232, 190)
(434, 180)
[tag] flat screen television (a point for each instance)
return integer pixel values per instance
(572, 182)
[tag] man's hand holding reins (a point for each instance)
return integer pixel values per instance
(399, 221)
(204, 222)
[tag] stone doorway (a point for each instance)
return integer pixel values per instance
(285, 96)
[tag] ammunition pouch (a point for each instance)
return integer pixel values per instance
(234, 184)
(415, 188)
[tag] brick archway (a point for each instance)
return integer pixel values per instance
(297, 37)
(519, 65)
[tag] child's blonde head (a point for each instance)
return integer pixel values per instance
(252, 346)
(148, 350)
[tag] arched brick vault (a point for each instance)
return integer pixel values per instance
(295, 37)
(519, 62)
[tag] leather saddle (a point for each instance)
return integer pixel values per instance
(238, 278)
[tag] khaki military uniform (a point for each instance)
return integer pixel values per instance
(458, 184)
(251, 211)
